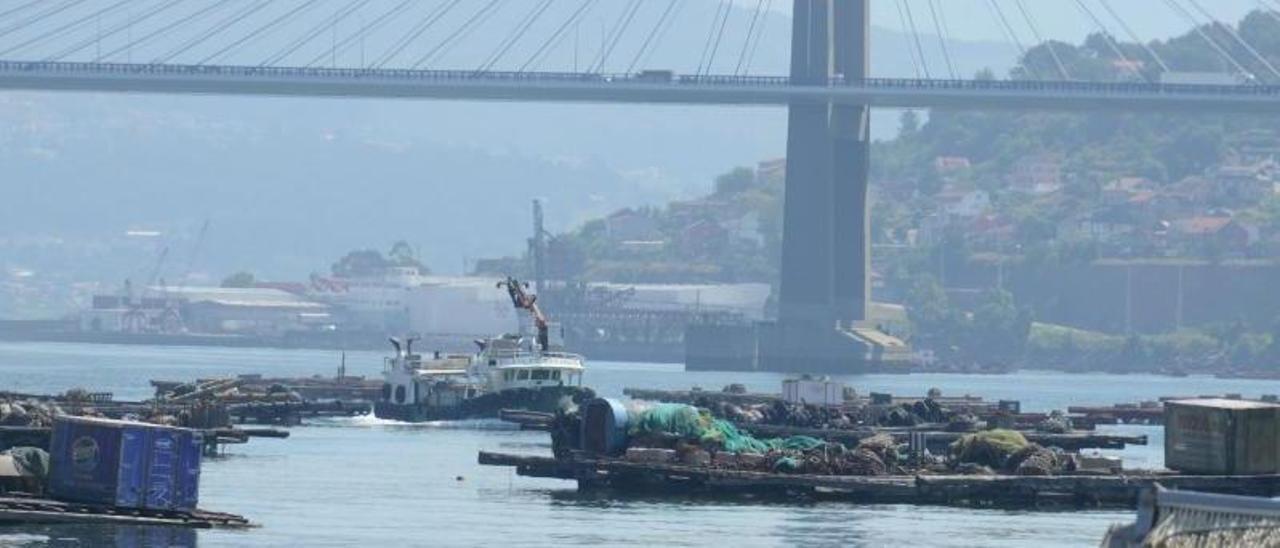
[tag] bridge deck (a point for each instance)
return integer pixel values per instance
(627, 88)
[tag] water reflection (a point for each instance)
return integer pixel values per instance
(68, 536)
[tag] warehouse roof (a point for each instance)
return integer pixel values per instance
(1223, 403)
(241, 297)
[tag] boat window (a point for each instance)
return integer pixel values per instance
(555, 375)
(400, 394)
(506, 375)
(524, 375)
(386, 392)
(541, 374)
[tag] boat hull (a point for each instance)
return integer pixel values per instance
(487, 406)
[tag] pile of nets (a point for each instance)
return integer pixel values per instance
(676, 425)
(690, 423)
(1009, 452)
(991, 448)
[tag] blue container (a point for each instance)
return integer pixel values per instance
(124, 464)
(604, 427)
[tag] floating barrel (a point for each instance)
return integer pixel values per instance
(604, 427)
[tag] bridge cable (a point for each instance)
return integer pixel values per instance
(755, 46)
(518, 33)
(663, 31)
(1124, 25)
(112, 31)
(943, 38)
(558, 36)
(653, 35)
(915, 36)
(1035, 31)
(1205, 36)
(1110, 40)
(911, 52)
(715, 49)
(720, 36)
(211, 32)
(20, 7)
(746, 43)
(164, 29)
(34, 19)
(1012, 35)
(458, 33)
(347, 42)
(615, 35)
(432, 17)
(315, 31)
(61, 29)
(262, 30)
(711, 35)
(1236, 36)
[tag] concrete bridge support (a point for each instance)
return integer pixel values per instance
(825, 287)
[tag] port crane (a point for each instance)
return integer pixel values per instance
(523, 300)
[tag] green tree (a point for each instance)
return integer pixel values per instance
(239, 280)
(1000, 328)
(908, 123)
(927, 305)
(739, 180)
(365, 262)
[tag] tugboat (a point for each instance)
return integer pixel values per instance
(509, 372)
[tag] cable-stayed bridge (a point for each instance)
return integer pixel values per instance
(402, 49)
(646, 87)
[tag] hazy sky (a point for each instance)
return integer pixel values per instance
(1059, 19)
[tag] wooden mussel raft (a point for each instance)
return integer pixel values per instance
(846, 418)
(26, 419)
(670, 448)
(103, 471)
(280, 401)
(1119, 491)
(29, 509)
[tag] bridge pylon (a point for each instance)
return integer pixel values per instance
(825, 275)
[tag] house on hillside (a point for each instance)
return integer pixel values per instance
(772, 170)
(1220, 233)
(961, 205)
(1121, 190)
(745, 228)
(991, 231)
(629, 225)
(691, 211)
(703, 238)
(949, 167)
(1037, 174)
(1243, 184)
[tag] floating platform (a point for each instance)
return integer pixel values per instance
(1080, 491)
(28, 510)
(939, 441)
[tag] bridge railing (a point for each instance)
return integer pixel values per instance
(660, 80)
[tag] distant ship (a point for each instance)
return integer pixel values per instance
(508, 372)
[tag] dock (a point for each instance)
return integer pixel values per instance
(1079, 491)
(27, 510)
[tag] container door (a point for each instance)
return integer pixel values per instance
(189, 475)
(163, 467)
(132, 468)
(84, 462)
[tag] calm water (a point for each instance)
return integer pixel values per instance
(366, 482)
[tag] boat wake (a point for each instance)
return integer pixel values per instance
(370, 421)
